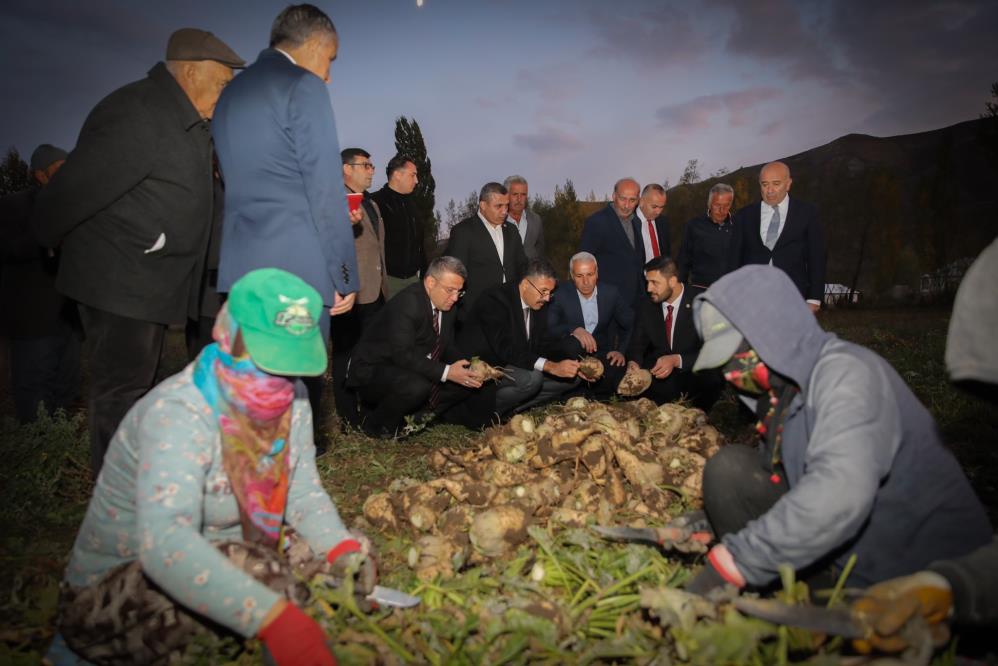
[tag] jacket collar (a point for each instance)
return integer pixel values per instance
(187, 115)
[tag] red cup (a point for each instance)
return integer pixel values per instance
(353, 200)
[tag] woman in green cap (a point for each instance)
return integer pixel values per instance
(209, 499)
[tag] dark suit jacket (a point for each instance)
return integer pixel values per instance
(662, 233)
(620, 263)
(533, 244)
(30, 306)
(799, 251)
(614, 322)
(285, 202)
(132, 205)
(648, 340)
(494, 331)
(401, 334)
(471, 243)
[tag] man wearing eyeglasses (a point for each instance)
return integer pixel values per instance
(369, 244)
(407, 362)
(508, 328)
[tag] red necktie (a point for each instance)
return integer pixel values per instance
(654, 240)
(668, 326)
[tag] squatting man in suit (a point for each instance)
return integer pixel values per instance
(613, 236)
(508, 328)
(593, 320)
(665, 342)
(369, 244)
(131, 211)
(407, 362)
(275, 135)
(703, 255)
(488, 245)
(782, 232)
(526, 221)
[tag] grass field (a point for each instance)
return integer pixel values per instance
(45, 481)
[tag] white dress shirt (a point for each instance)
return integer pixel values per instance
(766, 214)
(495, 232)
(521, 226)
(675, 303)
(539, 363)
(645, 236)
(590, 310)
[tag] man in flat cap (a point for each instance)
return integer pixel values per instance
(40, 322)
(130, 211)
(285, 202)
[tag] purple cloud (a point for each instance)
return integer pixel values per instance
(547, 140)
(696, 114)
(653, 38)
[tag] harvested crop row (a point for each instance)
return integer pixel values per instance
(623, 463)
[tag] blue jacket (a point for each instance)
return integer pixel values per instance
(868, 473)
(614, 317)
(620, 264)
(285, 203)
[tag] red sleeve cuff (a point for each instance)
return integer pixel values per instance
(342, 548)
(724, 563)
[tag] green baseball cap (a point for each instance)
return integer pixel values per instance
(278, 314)
(720, 339)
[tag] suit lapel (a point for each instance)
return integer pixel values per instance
(785, 233)
(508, 232)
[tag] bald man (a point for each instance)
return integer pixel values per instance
(613, 236)
(783, 232)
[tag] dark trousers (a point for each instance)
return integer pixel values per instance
(606, 386)
(124, 356)
(738, 488)
(702, 388)
(45, 370)
(393, 393)
(197, 335)
(316, 386)
(346, 331)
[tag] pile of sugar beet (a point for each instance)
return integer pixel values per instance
(620, 463)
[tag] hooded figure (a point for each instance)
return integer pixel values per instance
(850, 462)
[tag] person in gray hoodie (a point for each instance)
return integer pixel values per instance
(961, 591)
(849, 461)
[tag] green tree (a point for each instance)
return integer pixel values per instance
(14, 174)
(563, 222)
(409, 142)
(691, 174)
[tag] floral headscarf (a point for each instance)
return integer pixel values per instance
(254, 416)
(748, 373)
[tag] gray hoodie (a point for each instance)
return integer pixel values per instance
(867, 471)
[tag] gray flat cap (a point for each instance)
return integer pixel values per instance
(194, 44)
(45, 155)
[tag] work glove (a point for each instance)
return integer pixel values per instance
(294, 639)
(688, 533)
(893, 609)
(719, 570)
(353, 557)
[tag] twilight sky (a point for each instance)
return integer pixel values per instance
(578, 89)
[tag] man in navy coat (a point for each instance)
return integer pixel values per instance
(285, 203)
(613, 236)
(275, 134)
(593, 321)
(782, 232)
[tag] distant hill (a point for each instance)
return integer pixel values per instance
(892, 208)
